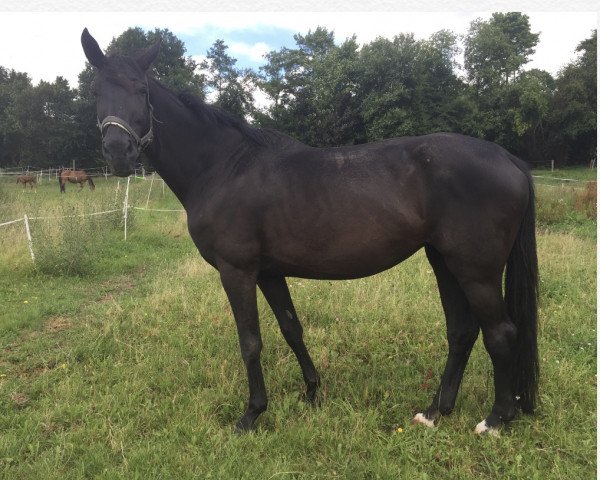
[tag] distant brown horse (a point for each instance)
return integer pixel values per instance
(74, 176)
(27, 179)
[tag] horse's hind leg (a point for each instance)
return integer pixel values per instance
(500, 338)
(277, 294)
(462, 331)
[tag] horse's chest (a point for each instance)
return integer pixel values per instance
(222, 238)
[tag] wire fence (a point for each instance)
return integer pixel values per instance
(558, 182)
(125, 211)
(52, 173)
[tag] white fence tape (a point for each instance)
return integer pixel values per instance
(78, 215)
(12, 221)
(158, 209)
(557, 179)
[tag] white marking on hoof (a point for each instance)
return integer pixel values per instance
(420, 418)
(482, 427)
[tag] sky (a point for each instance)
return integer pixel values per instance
(46, 44)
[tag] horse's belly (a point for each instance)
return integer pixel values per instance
(357, 254)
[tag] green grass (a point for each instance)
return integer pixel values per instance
(130, 368)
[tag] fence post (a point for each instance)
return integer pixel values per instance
(126, 206)
(117, 190)
(29, 241)
(150, 190)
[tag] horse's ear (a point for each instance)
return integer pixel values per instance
(92, 49)
(145, 59)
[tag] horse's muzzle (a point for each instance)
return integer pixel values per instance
(120, 152)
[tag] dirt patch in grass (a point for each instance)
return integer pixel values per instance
(115, 286)
(20, 400)
(57, 323)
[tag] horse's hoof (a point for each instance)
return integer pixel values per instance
(423, 420)
(243, 425)
(240, 429)
(483, 428)
(312, 399)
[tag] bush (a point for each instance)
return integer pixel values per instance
(586, 200)
(69, 245)
(567, 209)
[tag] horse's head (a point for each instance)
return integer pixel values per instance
(122, 103)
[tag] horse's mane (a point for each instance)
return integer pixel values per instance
(263, 137)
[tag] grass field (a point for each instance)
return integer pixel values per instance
(119, 359)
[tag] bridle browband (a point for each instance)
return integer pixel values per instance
(123, 125)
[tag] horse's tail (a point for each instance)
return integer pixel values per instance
(92, 186)
(521, 297)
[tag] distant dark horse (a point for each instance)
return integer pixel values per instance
(74, 176)
(27, 179)
(262, 206)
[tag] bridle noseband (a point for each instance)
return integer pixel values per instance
(122, 124)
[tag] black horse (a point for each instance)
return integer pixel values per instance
(262, 206)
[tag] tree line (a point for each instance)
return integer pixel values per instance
(329, 94)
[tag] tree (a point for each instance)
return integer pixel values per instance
(315, 90)
(38, 127)
(529, 105)
(171, 67)
(573, 107)
(14, 87)
(335, 118)
(495, 50)
(409, 86)
(388, 86)
(51, 128)
(231, 85)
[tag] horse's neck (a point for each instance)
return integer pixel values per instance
(185, 149)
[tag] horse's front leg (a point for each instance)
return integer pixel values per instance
(240, 287)
(276, 292)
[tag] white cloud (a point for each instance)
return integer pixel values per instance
(254, 52)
